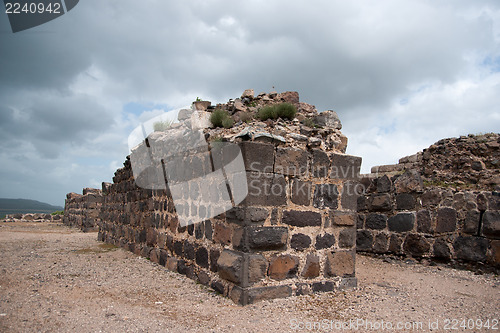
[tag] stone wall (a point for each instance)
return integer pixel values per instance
(293, 234)
(32, 217)
(83, 210)
(398, 215)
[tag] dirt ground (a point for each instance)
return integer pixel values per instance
(58, 279)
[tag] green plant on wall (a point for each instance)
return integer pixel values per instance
(221, 118)
(283, 111)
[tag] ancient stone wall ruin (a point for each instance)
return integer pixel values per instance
(442, 203)
(32, 217)
(83, 210)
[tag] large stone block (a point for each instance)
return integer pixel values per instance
(470, 248)
(283, 267)
(446, 220)
(381, 243)
(364, 240)
(340, 263)
(247, 215)
(345, 166)
(301, 192)
(320, 163)
(347, 238)
(301, 218)
(222, 234)
(257, 156)
(325, 241)
(401, 222)
(416, 245)
(230, 266)
(405, 201)
(326, 195)
(491, 223)
(376, 221)
(380, 202)
(261, 238)
(471, 222)
(291, 162)
(424, 221)
(265, 190)
(257, 268)
(340, 218)
(263, 293)
(312, 267)
(441, 250)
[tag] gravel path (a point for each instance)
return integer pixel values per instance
(57, 279)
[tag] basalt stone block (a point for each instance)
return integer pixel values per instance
(351, 191)
(424, 221)
(405, 201)
(323, 287)
(345, 166)
(360, 222)
(202, 257)
(340, 218)
(325, 241)
(230, 266)
(482, 202)
(178, 248)
(326, 195)
(431, 198)
(471, 222)
(441, 250)
(364, 240)
(446, 220)
(395, 243)
(189, 251)
(347, 238)
(491, 224)
(376, 221)
(222, 234)
(203, 277)
(182, 267)
(199, 230)
(263, 293)
(257, 268)
(312, 267)
(300, 242)
(258, 156)
(320, 163)
(301, 192)
(381, 243)
(265, 190)
(416, 245)
(380, 202)
(340, 263)
(401, 222)
(301, 218)
(384, 184)
(171, 264)
(470, 248)
(247, 215)
(291, 162)
(267, 238)
(208, 229)
(362, 203)
(218, 287)
(283, 267)
(214, 256)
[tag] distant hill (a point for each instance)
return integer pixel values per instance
(23, 206)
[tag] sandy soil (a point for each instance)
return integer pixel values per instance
(58, 279)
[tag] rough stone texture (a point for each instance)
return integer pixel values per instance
(325, 241)
(401, 222)
(283, 267)
(446, 220)
(340, 263)
(300, 242)
(491, 224)
(326, 195)
(312, 267)
(471, 248)
(376, 221)
(301, 192)
(416, 245)
(230, 266)
(301, 218)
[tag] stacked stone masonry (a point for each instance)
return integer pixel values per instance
(294, 233)
(83, 211)
(32, 217)
(399, 216)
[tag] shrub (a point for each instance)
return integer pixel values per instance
(58, 212)
(246, 117)
(161, 126)
(283, 110)
(220, 118)
(286, 111)
(309, 122)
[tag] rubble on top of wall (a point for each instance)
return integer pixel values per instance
(308, 128)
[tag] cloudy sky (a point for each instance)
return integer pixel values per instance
(401, 74)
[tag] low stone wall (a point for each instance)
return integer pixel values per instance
(398, 215)
(293, 234)
(82, 211)
(32, 217)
